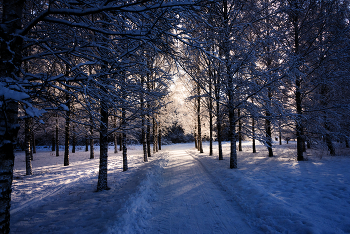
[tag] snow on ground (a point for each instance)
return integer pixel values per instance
(182, 191)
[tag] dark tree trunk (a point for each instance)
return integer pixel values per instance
(31, 140)
(27, 139)
(268, 128)
(102, 174)
(57, 140)
(195, 138)
(230, 91)
(67, 133)
(143, 124)
(10, 61)
(218, 117)
(280, 134)
(92, 152)
(143, 139)
(73, 140)
(239, 130)
(253, 131)
(115, 136)
(298, 98)
(160, 139)
(86, 142)
(125, 157)
(268, 133)
(121, 142)
(155, 137)
(232, 137)
(200, 146)
(148, 136)
(210, 119)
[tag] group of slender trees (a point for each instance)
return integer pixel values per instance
(263, 65)
(105, 66)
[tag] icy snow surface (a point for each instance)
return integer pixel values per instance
(182, 191)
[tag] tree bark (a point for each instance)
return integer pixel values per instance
(160, 139)
(102, 174)
(124, 123)
(218, 125)
(86, 142)
(154, 128)
(67, 133)
(210, 119)
(298, 98)
(73, 140)
(10, 61)
(121, 142)
(239, 130)
(143, 124)
(28, 148)
(57, 140)
(115, 135)
(253, 130)
(92, 150)
(200, 146)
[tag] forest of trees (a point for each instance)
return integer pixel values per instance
(81, 72)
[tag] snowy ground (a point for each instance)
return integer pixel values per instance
(182, 191)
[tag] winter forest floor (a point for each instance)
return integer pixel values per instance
(182, 191)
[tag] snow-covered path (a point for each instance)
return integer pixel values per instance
(182, 191)
(190, 201)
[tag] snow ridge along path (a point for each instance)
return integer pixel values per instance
(189, 201)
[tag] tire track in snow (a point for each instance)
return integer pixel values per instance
(191, 202)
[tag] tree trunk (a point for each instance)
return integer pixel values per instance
(115, 136)
(268, 133)
(67, 133)
(298, 98)
(160, 139)
(73, 140)
(239, 130)
(268, 128)
(200, 146)
(125, 157)
(143, 116)
(232, 136)
(280, 134)
(102, 174)
(148, 136)
(210, 119)
(218, 119)
(92, 152)
(8, 128)
(86, 142)
(28, 148)
(154, 128)
(253, 130)
(31, 140)
(195, 138)
(10, 61)
(121, 142)
(57, 140)
(143, 139)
